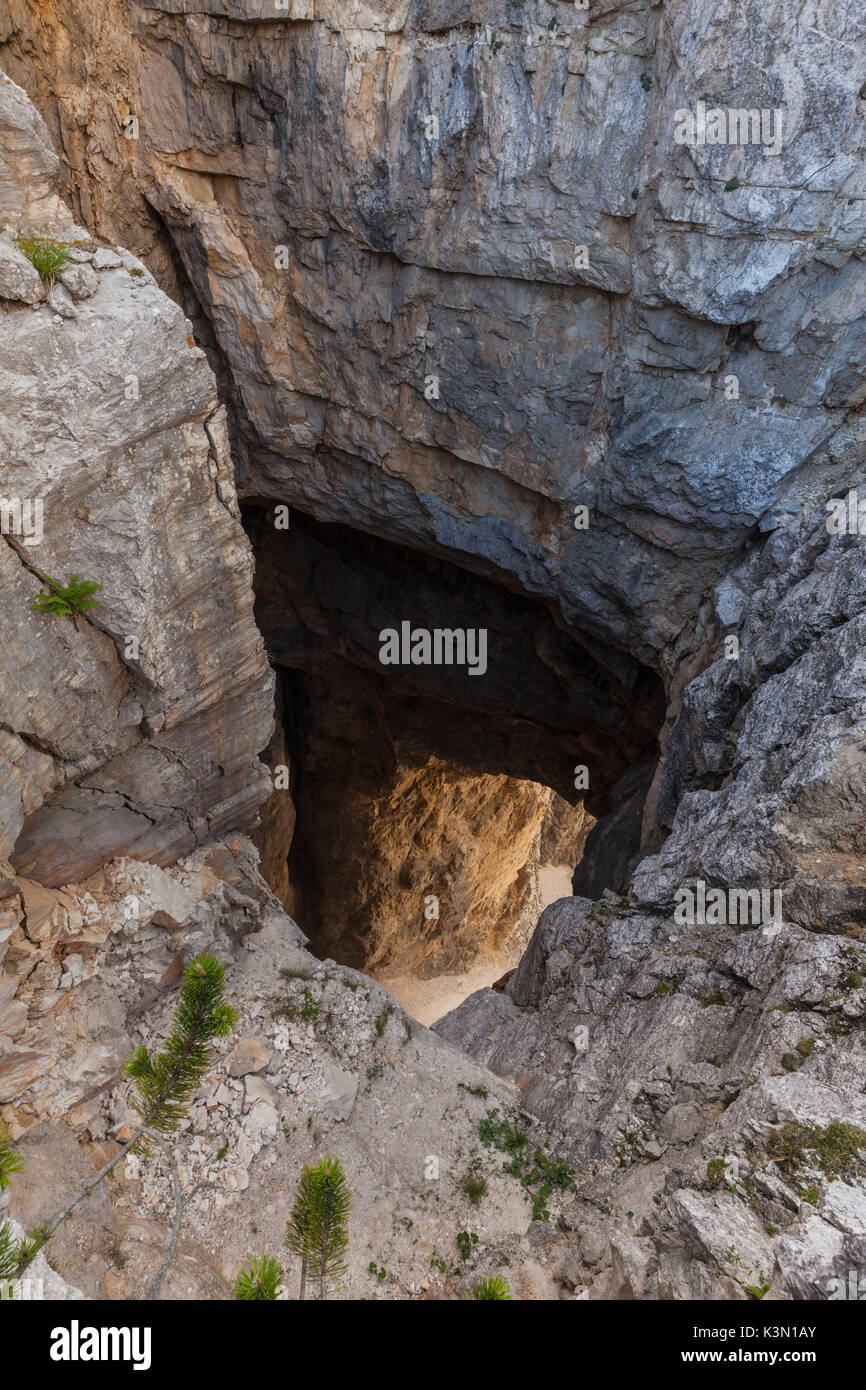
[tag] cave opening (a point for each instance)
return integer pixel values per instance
(423, 814)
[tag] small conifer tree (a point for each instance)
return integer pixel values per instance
(10, 1248)
(492, 1289)
(298, 1236)
(318, 1228)
(165, 1084)
(262, 1282)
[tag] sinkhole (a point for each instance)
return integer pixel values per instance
(432, 812)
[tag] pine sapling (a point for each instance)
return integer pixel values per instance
(318, 1228)
(166, 1082)
(330, 1224)
(492, 1289)
(10, 1161)
(10, 1248)
(262, 1282)
(299, 1226)
(9, 1258)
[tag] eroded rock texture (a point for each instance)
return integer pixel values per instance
(675, 1055)
(135, 726)
(350, 202)
(415, 782)
(322, 1056)
(430, 169)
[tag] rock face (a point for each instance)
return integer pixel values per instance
(361, 199)
(548, 699)
(457, 278)
(712, 1070)
(426, 871)
(135, 726)
(764, 778)
(322, 1056)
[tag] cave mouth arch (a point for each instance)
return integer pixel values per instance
(424, 816)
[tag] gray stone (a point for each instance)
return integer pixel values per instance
(341, 1089)
(248, 1055)
(60, 302)
(80, 280)
(256, 1090)
(19, 280)
(116, 747)
(844, 1207)
(105, 259)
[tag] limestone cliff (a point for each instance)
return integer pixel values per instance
(136, 727)
(677, 1050)
(433, 172)
(436, 274)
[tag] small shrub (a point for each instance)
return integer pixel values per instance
(46, 255)
(506, 1134)
(380, 1022)
(715, 996)
(759, 1290)
(465, 1242)
(732, 184)
(115, 1255)
(65, 600)
(833, 1149)
(262, 1282)
(716, 1172)
(480, 1091)
(492, 1289)
(537, 1172)
(474, 1184)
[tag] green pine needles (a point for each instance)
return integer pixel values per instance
(64, 600)
(318, 1228)
(262, 1282)
(12, 1251)
(9, 1258)
(492, 1289)
(166, 1082)
(15, 1255)
(10, 1161)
